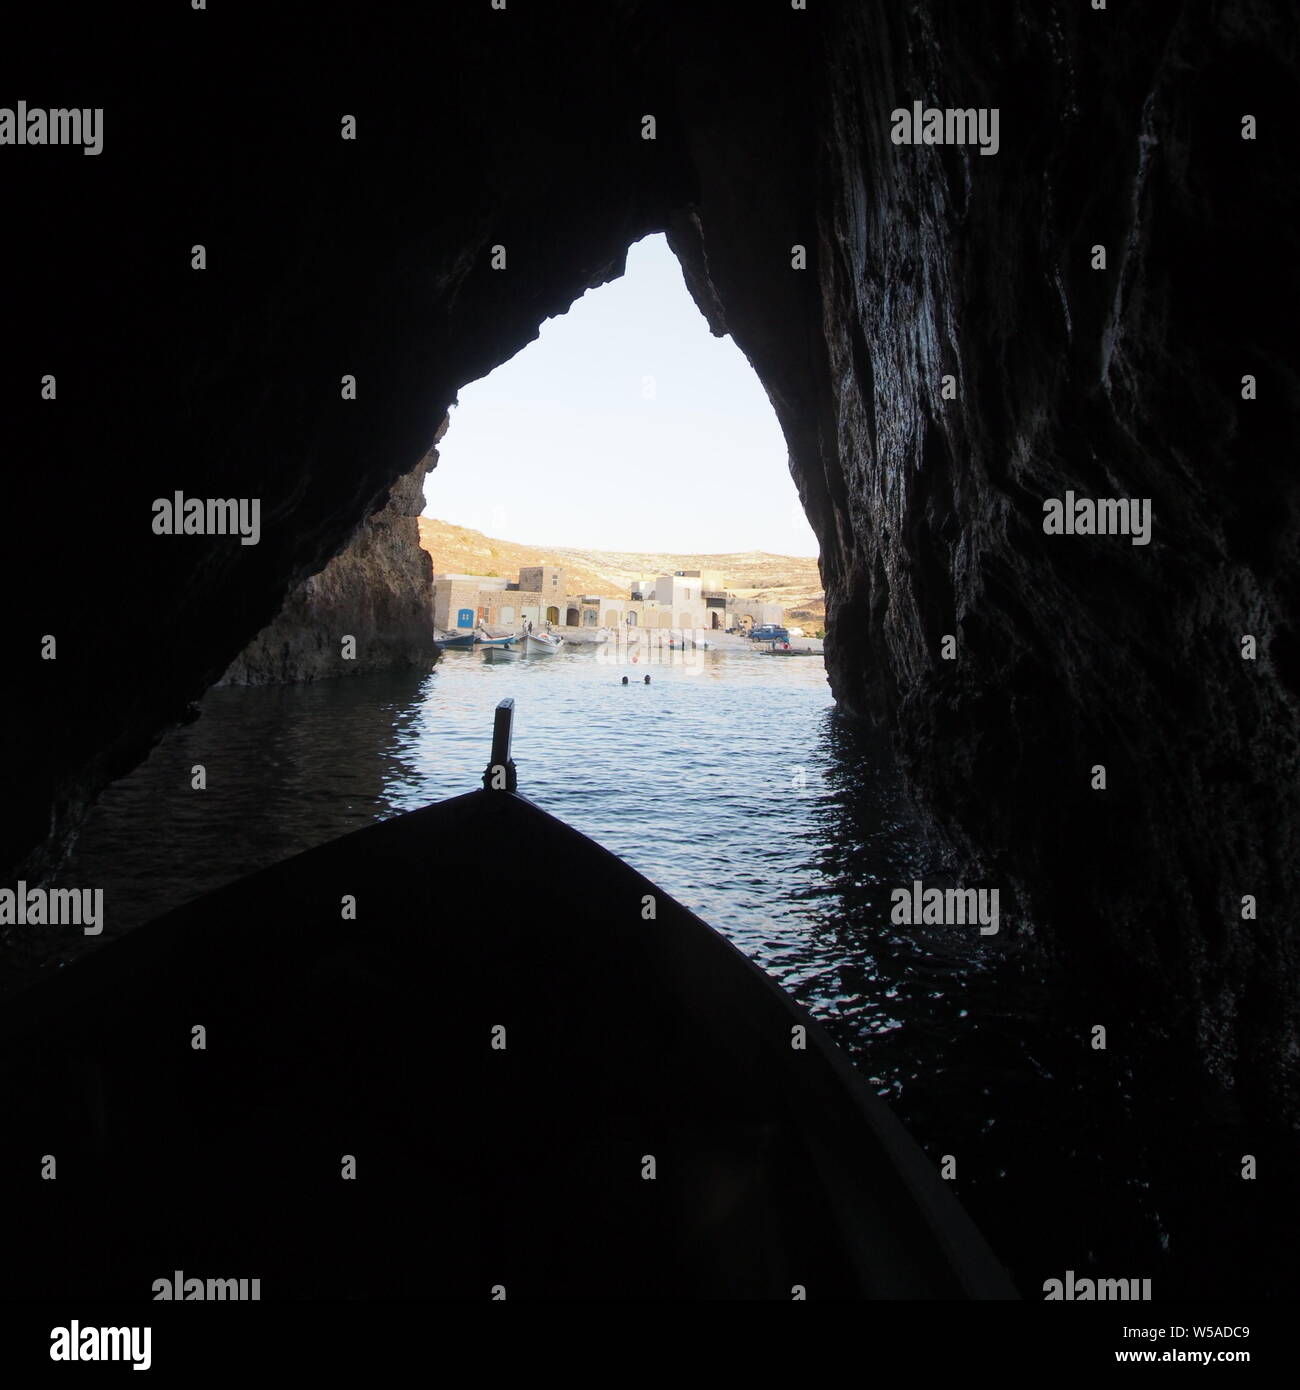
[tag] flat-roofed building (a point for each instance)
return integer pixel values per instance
(687, 600)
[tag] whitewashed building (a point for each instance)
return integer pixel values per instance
(687, 600)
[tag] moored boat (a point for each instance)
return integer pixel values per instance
(484, 638)
(454, 639)
(542, 643)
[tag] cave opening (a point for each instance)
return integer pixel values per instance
(924, 1019)
(626, 426)
(646, 447)
(947, 341)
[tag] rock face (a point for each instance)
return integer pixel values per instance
(381, 257)
(379, 591)
(1071, 652)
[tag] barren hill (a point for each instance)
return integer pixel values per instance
(791, 580)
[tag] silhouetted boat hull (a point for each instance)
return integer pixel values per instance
(505, 1074)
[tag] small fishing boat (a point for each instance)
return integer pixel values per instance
(404, 1082)
(455, 639)
(787, 650)
(496, 653)
(542, 643)
(483, 638)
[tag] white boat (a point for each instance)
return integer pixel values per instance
(542, 643)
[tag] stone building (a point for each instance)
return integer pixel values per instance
(746, 613)
(686, 600)
(540, 596)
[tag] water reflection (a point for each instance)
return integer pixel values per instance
(732, 783)
(285, 768)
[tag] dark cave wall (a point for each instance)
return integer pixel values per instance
(325, 257)
(378, 591)
(1122, 130)
(372, 257)
(1076, 651)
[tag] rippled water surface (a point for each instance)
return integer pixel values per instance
(731, 782)
(728, 780)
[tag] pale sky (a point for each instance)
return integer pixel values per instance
(566, 445)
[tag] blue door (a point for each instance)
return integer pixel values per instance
(465, 618)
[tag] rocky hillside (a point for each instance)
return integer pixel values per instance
(790, 580)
